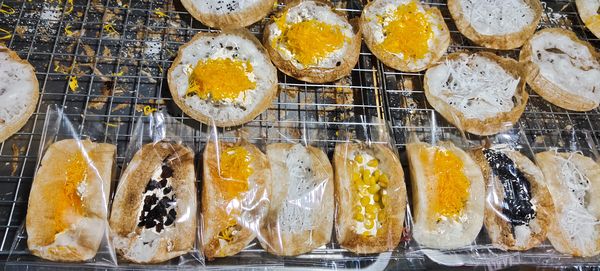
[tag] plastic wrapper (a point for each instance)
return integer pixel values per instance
(370, 191)
(154, 210)
(67, 214)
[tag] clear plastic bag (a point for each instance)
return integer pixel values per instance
(568, 160)
(154, 210)
(67, 214)
(370, 192)
(301, 206)
(236, 189)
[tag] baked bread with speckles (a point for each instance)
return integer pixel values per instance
(502, 25)
(225, 77)
(228, 14)
(153, 216)
(300, 216)
(404, 34)
(19, 92)
(480, 93)
(235, 196)
(518, 206)
(370, 197)
(573, 180)
(563, 69)
(589, 11)
(68, 203)
(311, 42)
(448, 195)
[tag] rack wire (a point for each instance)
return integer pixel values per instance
(120, 50)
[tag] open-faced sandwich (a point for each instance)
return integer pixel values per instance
(448, 195)
(300, 216)
(68, 203)
(19, 92)
(518, 208)
(563, 69)
(153, 215)
(574, 184)
(480, 93)
(370, 197)
(589, 11)
(404, 34)
(503, 25)
(235, 196)
(226, 77)
(309, 41)
(228, 13)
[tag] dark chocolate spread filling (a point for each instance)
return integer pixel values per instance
(517, 206)
(158, 212)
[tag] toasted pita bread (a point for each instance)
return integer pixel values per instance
(153, 215)
(521, 229)
(430, 228)
(389, 226)
(574, 228)
(505, 27)
(475, 113)
(231, 208)
(19, 92)
(67, 210)
(300, 217)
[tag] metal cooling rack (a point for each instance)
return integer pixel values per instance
(120, 50)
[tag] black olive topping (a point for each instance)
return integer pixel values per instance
(159, 213)
(517, 206)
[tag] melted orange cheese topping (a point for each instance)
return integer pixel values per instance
(235, 170)
(408, 33)
(220, 79)
(68, 201)
(309, 41)
(449, 190)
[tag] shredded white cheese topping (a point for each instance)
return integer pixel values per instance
(494, 17)
(568, 64)
(576, 220)
(473, 85)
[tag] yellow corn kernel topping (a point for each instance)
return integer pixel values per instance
(367, 181)
(220, 79)
(408, 33)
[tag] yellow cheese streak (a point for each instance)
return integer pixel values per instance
(309, 41)
(408, 33)
(448, 187)
(220, 79)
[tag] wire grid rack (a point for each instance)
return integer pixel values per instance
(120, 50)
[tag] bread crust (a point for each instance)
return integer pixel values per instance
(544, 87)
(233, 20)
(81, 238)
(438, 49)
(283, 243)
(498, 228)
(587, 16)
(174, 240)
(15, 126)
(500, 42)
(215, 214)
(560, 196)
(490, 125)
(262, 105)
(316, 74)
(389, 235)
(429, 233)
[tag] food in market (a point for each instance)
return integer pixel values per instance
(228, 14)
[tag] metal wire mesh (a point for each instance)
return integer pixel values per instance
(120, 50)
